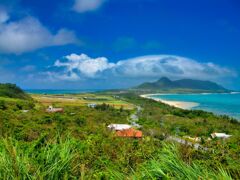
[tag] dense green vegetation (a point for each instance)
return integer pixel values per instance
(161, 121)
(76, 143)
(12, 91)
(183, 85)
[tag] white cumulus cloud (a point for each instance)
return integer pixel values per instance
(82, 6)
(29, 34)
(84, 65)
(74, 67)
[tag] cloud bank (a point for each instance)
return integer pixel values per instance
(29, 34)
(74, 67)
(82, 6)
(171, 66)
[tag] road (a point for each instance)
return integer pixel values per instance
(196, 146)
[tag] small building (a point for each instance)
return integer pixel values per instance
(92, 105)
(119, 127)
(132, 133)
(25, 111)
(51, 109)
(220, 135)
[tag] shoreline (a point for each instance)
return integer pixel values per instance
(178, 104)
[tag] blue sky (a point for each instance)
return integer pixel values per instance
(82, 44)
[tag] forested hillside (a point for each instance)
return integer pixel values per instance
(165, 84)
(12, 91)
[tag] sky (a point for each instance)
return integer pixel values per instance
(106, 44)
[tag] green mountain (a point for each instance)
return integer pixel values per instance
(165, 84)
(12, 91)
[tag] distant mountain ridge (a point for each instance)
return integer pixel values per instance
(165, 83)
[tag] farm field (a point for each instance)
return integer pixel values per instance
(81, 100)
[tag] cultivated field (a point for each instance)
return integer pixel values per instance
(81, 100)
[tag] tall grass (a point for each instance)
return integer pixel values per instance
(52, 161)
(169, 165)
(59, 159)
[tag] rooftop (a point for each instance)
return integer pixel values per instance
(129, 133)
(220, 135)
(118, 127)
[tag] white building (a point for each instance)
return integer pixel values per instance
(220, 135)
(119, 127)
(51, 109)
(25, 111)
(92, 105)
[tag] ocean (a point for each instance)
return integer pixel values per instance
(221, 104)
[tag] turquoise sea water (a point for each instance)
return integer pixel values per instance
(60, 91)
(225, 104)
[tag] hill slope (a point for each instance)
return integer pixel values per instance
(189, 84)
(12, 91)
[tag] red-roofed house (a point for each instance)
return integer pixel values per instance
(129, 133)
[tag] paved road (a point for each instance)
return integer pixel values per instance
(134, 117)
(196, 146)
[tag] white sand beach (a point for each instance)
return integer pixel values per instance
(178, 104)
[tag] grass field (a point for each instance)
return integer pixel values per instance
(81, 100)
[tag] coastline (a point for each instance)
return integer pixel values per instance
(178, 104)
